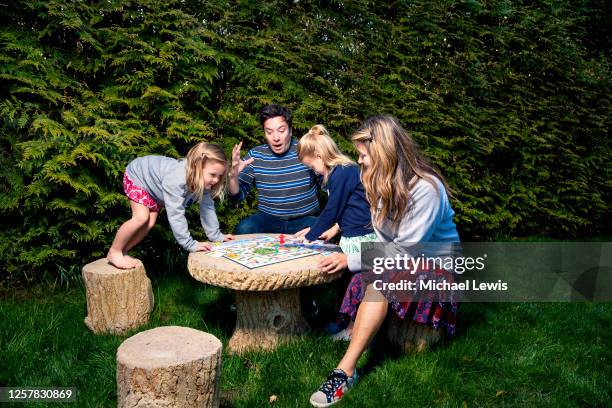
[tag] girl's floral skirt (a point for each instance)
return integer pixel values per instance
(138, 194)
(435, 309)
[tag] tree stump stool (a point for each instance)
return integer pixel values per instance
(169, 367)
(267, 298)
(117, 299)
(408, 336)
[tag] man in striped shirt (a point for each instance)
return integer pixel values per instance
(287, 190)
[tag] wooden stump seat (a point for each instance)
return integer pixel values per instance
(117, 299)
(169, 367)
(407, 336)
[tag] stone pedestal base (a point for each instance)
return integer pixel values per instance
(264, 319)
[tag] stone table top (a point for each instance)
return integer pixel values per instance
(225, 273)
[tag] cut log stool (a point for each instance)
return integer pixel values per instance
(408, 336)
(117, 299)
(169, 367)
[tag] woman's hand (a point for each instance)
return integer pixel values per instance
(333, 263)
(228, 237)
(330, 233)
(204, 246)
(302, 233)
(237, 164)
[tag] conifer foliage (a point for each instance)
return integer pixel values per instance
(510, 100)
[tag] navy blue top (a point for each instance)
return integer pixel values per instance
(347, 205)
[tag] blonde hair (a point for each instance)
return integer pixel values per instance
(318, 142)
(197, 158)
(395, 161)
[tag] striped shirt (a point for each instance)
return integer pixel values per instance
(286, 188)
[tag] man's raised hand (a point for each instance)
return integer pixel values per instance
(237, 164)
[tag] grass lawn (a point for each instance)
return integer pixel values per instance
(532, 354)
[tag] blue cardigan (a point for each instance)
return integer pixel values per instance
(347, 205)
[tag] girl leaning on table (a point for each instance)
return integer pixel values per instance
(155, 182)
(409, 203)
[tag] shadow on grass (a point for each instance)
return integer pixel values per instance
(219, 313)
(470, 315)
(214, 304)
(327, 298)
(474, 314)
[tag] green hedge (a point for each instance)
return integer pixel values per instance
(510, 100)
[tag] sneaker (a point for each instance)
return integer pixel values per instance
(315, 308)
(342, 335)
(340, 324)
(333, 328)
(333, 389)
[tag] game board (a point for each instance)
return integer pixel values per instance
(261, 251)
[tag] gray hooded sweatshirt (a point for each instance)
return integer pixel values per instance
(164, 178)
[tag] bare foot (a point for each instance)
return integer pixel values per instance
(119, 261)
(132, 259)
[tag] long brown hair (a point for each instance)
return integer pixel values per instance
(318, 142)
(396, 166)
(197, 158)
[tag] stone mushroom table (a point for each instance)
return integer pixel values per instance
(267, 298)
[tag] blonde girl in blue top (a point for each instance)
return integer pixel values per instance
(347, 209)
(153, 182)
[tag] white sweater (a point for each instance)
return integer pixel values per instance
(430, 219)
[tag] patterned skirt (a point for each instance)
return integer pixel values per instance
(138, 194)
(353, 295)
(423, 307)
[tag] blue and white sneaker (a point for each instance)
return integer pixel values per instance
(333, 389)
(342, 335)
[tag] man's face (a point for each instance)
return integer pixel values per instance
(278, 134)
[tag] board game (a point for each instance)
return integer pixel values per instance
(264, 250)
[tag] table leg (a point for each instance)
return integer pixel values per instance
(266, 318)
